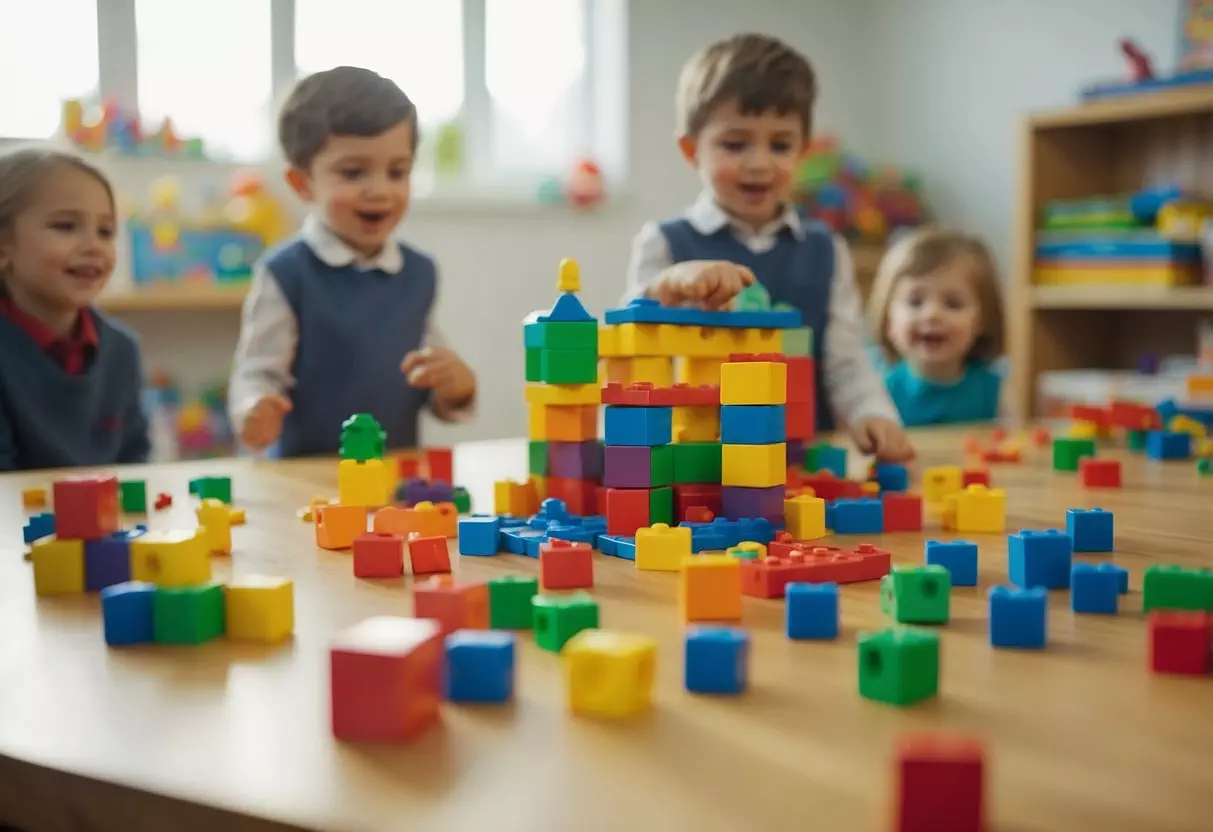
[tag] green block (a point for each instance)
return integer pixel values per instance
(510, 602)
(537, 455)
(462, 500)
(917, 594)
(1067, 451)
(212, 488)
(362, 438)
(133, 496)
(696, 462)
(533, 371)
(568, 366)
(822, 456)
(558, 618)
(1137, 439)
(899, 666)
(189, 615)
(1204, 467)
(1168, 587)
(561, 335)
(661, 506)
(797, 341)
(661, 466)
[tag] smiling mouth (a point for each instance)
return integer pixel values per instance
(931, 339)
(755, 190)
(372, 217)
(85, 272)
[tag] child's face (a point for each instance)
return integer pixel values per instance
(61, 250)
(748, 161)
(361, 185)
(935, 319)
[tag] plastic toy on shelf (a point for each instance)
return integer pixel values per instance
(119, 129)
(195, 428)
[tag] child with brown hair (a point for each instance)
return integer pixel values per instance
(937, 311)
(70, 378)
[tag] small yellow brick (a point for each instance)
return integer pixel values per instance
(753, 382)
(940, 481)
(805, 517)
(696, 424)
(656, 370)
(699, 371)
(976, 510)
(215, 519)
(33, 498)
(661, 548)
(362, 483)
(609, 674)
(260, 608)
(753, 466)
(548, 394)
(58, 566)
(639, 339)
(171, 559)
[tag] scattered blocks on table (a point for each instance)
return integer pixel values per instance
(212, 488)
(556, 619)
(862, 516)
(709, 588)
(378, 555)
(1099, 473)
(902, 512)
(753, 383)
(1040, 558)
(753, 466)
(661, 548)
(1095, 588)
(1180, 642)
(812, 611)
(716, 659)
(86, 508)
(127, 613)
(132, 496)
(899, 666)
(1068, 450)
(826, 457)
(429, 555)
(805, 517)
(455, 606)
(215, 521)
(940, 784)
(1090, 529)
(1160, 445)
(565, 565)
(337, 527)
(58, 566)
(609, 674)
(478, 536)
(959, 557)
(1169, 587)
(940, 481)
(976, 510)
(1018, 617)
(171, 559)
(917, 594)
(480, 666)
(188, 614)
(363, 483)
(108, 561)
(891, 476)
(510, 598)
(259, 608)
(38, 526)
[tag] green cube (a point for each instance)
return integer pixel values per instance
(1137, 439)
(561, 335)
(189, 615)
(1168, 587)
(558, 618)
(133, 496)
(212, 488)
(917, 594)
(696, 462)
(1067, 450)
(661, 466)
(568, 366)
(462, 500)
(1204, 466)
(797, 341)
(661, 506)
(362, 438)
(537, 455)
(533, 371)
(510, 602)
(899, 666)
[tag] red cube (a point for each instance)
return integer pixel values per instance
(566, 565)
(698, 514)
(1099, 473)
(86, 508)
(975, 476)
(428, 555)
(600, 501)
(1180, 642)
(902, 511)
(439, 463)
(940, 784)
(386, 679)
(580, 496)
(378, 555)
(829, 487)
(455, 606)
(408, 467)
(627, 510)
(799, 420)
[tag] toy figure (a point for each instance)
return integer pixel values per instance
(1140, 67)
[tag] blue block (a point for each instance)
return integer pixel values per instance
(647, 426)
(126, 612)
(479, 535)
(625, 548)
(649, 311)
(755, 529)
(1040, 558)
(1122, 577)
(515, 540)
(861, 516)
(551, 510)
(892, 477)
(107, 560)
(1018, 617)
(1095, 589)
(811, 610)
(566, 308)
(1090, 529)
(1166, 444)
(829, 458)
(717, 660)
(480, 666)
(758, 424)
(39, 526)
(959, 557)
(706, 539)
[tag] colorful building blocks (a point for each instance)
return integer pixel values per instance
(940, 481)
(1160, 445)
(811, 611)
(58, 566)
(1169, 587)
(1067, 451)
(363, 483)
(647, 426)
(127, 613)
(609, 674)
(753, 466)
(917, 594)
(898, 666)
(1090, 529)
(171, 559)
(1099, 473)
(428, 555)
(132, 496)
(337, 527)
(572, 460)
(976, 509)
(805, 517)
(1181, 642)
(510, 602)
(479, 666)
(188, 614)
(259, 608)
(378, 555)
(557, 619)
(1040, 559)
(107, 561)
(425, 518)
(565, 565)
(478, 535)
(716, 660)
(38, 526)
(637, 466)
(696, 463)
(826, 457)
(940, 784)
(861, 516)
(362, 438)
(902, 512)
(1018, 617)
(959, 557)
(1095, 588)
(752, 424)
(709, 588)
(741, 502)
(454, 605)
(662, 548)
(86, 508)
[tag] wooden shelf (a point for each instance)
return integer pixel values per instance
(199, 299)
(1130, 108)
(1184, 298)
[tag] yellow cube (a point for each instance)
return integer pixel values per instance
(362, 483)
(696, 424)
(609, 674)
(1083, 430)
(753, 466)
(215, 518)
(260, 608)
(976, 510)
(753, 382)
(171, 559)
(639, 339)
(805, 517)
(656, 370)
(700, 371)
(940, 481)
(608, 341)
(33, 497)
(660, 548)
(58, 566)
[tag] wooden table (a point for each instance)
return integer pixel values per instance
(1082, 736)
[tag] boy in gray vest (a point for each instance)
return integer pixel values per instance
(337, 320)
(744, 108)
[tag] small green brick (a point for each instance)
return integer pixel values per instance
(510, 602)
(561, 335)
(1137, 440)
(133, 496)
(189, 615)
(661, 506)
(1167, 587)
(696, 462)
(1204, 467)
(661, 466)
(917, 594)
(899, 666)
(537, 456)
(1067, 450)
(568, 366)
(533, 371)
(558, 618)
(212, 488)
(797, 341)
(362, 438)
(462, 500)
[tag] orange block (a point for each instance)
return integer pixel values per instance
(425, 519)
(337, 527)
(563, 422)
(518, 499)
(429, 555)
(455, 606)
(709, 588)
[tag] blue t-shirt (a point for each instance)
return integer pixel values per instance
(973, 397)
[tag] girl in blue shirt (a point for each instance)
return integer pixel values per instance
(936, 310)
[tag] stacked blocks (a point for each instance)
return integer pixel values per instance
(638, 467)
(753, 470)
(899, 666)
(716, 660)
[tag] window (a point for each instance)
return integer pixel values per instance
(48, 54)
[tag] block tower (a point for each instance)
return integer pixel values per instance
(638, 469)
(362, 478)
(753, 430)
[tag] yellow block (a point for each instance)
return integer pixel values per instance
(362, 483)
(1083, 430)
(1116, 276)
(805, 517)
(940, 481)
(609, 674)
(660, 548)
(657, 370)
(976, 510)
(696, 424)
(753, 382)
(236, 516)
(608, 341)
(699, 371)
(517, 499)
(1204, 447)
(58, 566)
(1200, 385)
(639, 339)
(542, 394)
(216, 521)
(33, 497)
(259, 608)
(761, 340)
(754, 466)
(171, 559)
(749, 548)
(1186, 424)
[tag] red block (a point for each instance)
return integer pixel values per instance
(646, 394)
(378, 555)
(1041, 438)
(865, 562)
(580, 496)
(940, 784)
(799, 420)
(1133, 416)
(1001, 455)
(627, 510)
(600, 501)
(998, 435)
(829, 487)
(1180, 642)
(428, 555)
(439, 463)
(455, 606)
(86, 508)
(163, 501)
(386, 679)
(408, 467)
(902, 511)
(566, 565)
(1099, 473)
(701, 495)
(1099, 416)
(975, 476)
(698, 514)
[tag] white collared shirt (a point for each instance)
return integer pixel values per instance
(854, 387)
(269, 332)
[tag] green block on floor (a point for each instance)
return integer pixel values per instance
(537, 457)
(510, 602)
(917, 594)
(797, 341)
(462, 500)
(696, 462)
(561, 335)
(533, 365)
(1168, 587)
(1137, 439)
(568, 366)
(558, 618)
(212, 488)
(132, 494)
(189, 615)
(1067, 450)
(1204, 467)
(661, 506)
(899, 666)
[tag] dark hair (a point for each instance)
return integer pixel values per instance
(760, 72)
(345, 101)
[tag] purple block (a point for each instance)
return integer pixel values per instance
(575, 460)
(637, 466)
(767, 503)
(417, 490)
(795, 451)
(108, 561)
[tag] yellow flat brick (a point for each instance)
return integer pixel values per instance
(699, 371)
(548, 394)
(656, 370)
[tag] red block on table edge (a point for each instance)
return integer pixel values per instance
(902, 511)
(566, 564)
(940, 784)
(1094, 472)
(378, 555)
(428, 555)
(1181, 642)
(455, 606)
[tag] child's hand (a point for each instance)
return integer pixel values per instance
(707, 284)
(263, 423)
(444, 372)
(882, 438)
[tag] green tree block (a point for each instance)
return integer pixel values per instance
(568, 366)
(133, 496)
(1137, 439)
(917, 594)
(533, 371)
(558, 618)
(899, 666)
(797, 341)
(696, 462)
(1067, 451)
(537, 456)
(462, 500)
(1168, 587)
(561, 335)
(510, 602)
(212, 488)
(362, 438)
(661, 506)
(189, 615)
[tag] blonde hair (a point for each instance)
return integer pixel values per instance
(923, 251)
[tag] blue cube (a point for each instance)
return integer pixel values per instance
(1090, 529)
(759, 424)
(717, 659)
(1018, 617)
(39, 526)
(892, 477)
(1095, 589)
(1040, 558)
(860, 516)
(959, 557)
(126, 613)
(480, 666)
(811, 610)
(648, 426)
(1168, 444)
(107, 561)
(1122, 577)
